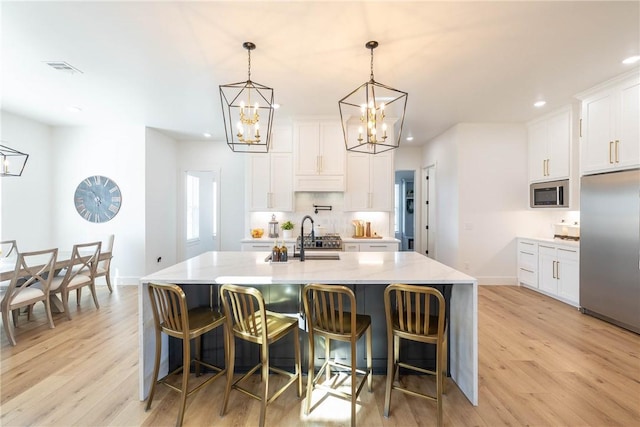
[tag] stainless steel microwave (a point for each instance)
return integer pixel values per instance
(552, 194)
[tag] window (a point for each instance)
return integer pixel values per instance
(193, 207)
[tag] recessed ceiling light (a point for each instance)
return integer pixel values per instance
(539, 104)
(75, 109)
(409, 138)
(276, 106)
(206, 135)
(631, 59)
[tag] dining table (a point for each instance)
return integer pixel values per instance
(8, 266)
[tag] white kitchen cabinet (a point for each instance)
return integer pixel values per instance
(269, 182)
(370, 247)
(559, 272)
(550, 146)
(528, 263)
(550, 267)
(378, 247)
(319, 155)
(266, 246)
(370, 180)
(610, 129)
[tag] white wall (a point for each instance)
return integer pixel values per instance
(161, 201)
(27, 200)
(442, 152)
(482, 199)
(211, 155)
(117, 152)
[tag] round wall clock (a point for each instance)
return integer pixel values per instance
(97, 199)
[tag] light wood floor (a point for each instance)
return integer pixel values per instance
(542, 363)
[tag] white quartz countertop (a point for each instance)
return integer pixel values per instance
(250, 268)
(562, 242)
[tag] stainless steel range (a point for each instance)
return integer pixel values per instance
(332, 242)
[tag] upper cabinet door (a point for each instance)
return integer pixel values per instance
(319, 154)
(610, 126)
(307, 148)
(628, 126)
(550, 146)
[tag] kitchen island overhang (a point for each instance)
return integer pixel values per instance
(353, 268)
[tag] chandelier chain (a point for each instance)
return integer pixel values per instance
(371, 64)
(249, 72)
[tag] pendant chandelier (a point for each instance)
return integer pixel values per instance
(364, 113)
(247, 109)
(12, 162)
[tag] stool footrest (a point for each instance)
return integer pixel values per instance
(347, 368)
(292, 378)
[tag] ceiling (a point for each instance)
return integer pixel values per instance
(159, 64)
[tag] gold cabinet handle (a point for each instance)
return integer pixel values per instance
(617, 151)
(610, 156)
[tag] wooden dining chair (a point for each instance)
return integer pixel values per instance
(80, 272)
(8, 248)
(330, 311)
(30, 284)
(247, 319)
(415, 313)
(172, 317)
(104, 265)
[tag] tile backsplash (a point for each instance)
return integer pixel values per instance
(335, 220)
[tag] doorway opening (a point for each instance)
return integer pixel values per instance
(405, 213)
(201, 212)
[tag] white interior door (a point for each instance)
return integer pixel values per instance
(202, 212)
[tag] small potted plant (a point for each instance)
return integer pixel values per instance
(287, 229)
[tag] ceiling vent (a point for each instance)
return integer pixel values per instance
(63, 66)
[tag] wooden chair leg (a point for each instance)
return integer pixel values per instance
(327, 356)
(78, 296)
(92, 287)
(7, 328)
(14, 315)
(65, 303)
(107, 277)
(47, 308)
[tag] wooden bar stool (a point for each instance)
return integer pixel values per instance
(325, 308)
(409, 316)
(171, 316)
(248, 320)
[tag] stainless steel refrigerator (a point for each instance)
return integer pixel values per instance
(610, 247)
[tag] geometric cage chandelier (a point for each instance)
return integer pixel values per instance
(364, 112)
(12, 162)
(247, 109)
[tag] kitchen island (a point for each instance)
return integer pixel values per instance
(368, 270)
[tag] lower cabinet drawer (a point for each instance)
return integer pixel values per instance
(527, 276)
